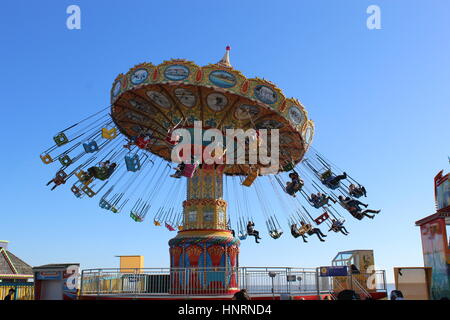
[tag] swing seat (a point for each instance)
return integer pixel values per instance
(104, 204)
(65, 160)
(321, 218)
(250, 179)
(60, 178)
(88, 191)
(170, 141)
(180, 228)
(275, 234)
(290, 189)
(61, 174)
(90, 147)
(333, 187)
(305, 229)
(337, 226)
(189, 170)
(330, 185)
(320, 203)
(114, 209)
(142, 142)
(356, 193)
(109, 134)
(76, 191)
(326, 175)
(293, 188)
(136, 217)
(290, 166)
(242, 236)
(132, 162)
(156, 223)
(357, 215)
(60, 139)
(169, 227)
(46, 158)
(80, 175)
(102, 173)
(58, 181)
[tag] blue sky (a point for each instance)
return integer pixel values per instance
(379, 98)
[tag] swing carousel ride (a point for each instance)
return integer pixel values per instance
(122, 155)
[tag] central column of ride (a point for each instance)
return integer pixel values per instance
(204, 254)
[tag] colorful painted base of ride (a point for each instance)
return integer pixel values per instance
(204, 249)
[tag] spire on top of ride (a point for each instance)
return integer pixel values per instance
(225, 61)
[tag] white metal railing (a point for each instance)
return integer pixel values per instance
(213, 281)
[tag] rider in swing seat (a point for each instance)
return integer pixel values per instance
(130, 142)
(295, 185)
(252, 232)
(338, 226)
(357, 192)
(352, 206)
(319, 200)
(295, 233)
(143, 140)
(179, 170)
(330, 180)
(315, 231)
(102, 172)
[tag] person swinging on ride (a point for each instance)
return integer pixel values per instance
(295, 233)
(352, 206)
(357, 192)
(252, 232)
(295, 185)
(330, 180)
(179, 170)
(143, 140)
(102, 172)
(130, 142)
(315, 231)
(319, 200)
(338, 226)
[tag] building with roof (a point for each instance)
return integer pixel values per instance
(15, 274)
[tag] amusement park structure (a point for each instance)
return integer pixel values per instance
(435, 238)
(123, 155)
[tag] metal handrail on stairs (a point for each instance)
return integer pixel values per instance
(360, 287)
